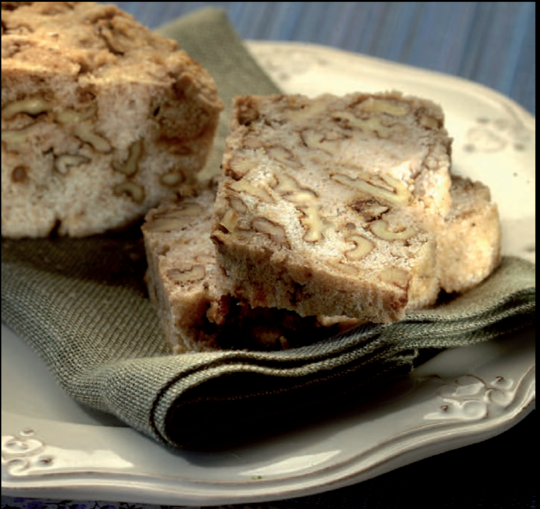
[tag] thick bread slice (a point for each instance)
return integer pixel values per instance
(182, 273)
(186, 287)
(469, 238)
(101, 118)
(189, 291)
(318, 209)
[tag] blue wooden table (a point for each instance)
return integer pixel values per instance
(492, 43)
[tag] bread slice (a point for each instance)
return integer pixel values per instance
(101, 118)
(189, 290)
(186, 287)
(468, 238)
(182, 273)
(318, 209)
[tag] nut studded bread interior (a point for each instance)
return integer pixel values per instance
(182, 273)
(101, 118)
(318, 208)
(186, 287)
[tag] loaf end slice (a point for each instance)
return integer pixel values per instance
(469, 242)
(101, 118)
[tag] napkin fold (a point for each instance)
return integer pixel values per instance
(82, 305)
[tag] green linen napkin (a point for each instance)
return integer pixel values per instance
(82, 305)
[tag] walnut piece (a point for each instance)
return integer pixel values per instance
(429, 120)
(390, 107)
(229, 220)
(371, 125)
(344, 268)
(237, 204)
(167, 224)
(205, 258)
(282, 155)
(240, 165)
(243, 187)
(189, 209)
(313, 223)
(304, 112)
(185, 276)
(289, 188)
(131, 166)
(69, 116)
(362, 247)
(381, 228)
(131, 189)
(312, 138)
(172, 178)
(31, 106)
(253, 143)
(16, 139)
(395, 276)
(328, 141)
(369, 209)
(84, 133)
(174, 219)
(19, 174)
(384, 187)
(272, 230)
(63, 162)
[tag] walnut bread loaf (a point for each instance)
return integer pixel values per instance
(318, 210)
(101, 118)
(187, 289)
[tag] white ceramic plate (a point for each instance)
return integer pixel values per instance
(52, 447)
